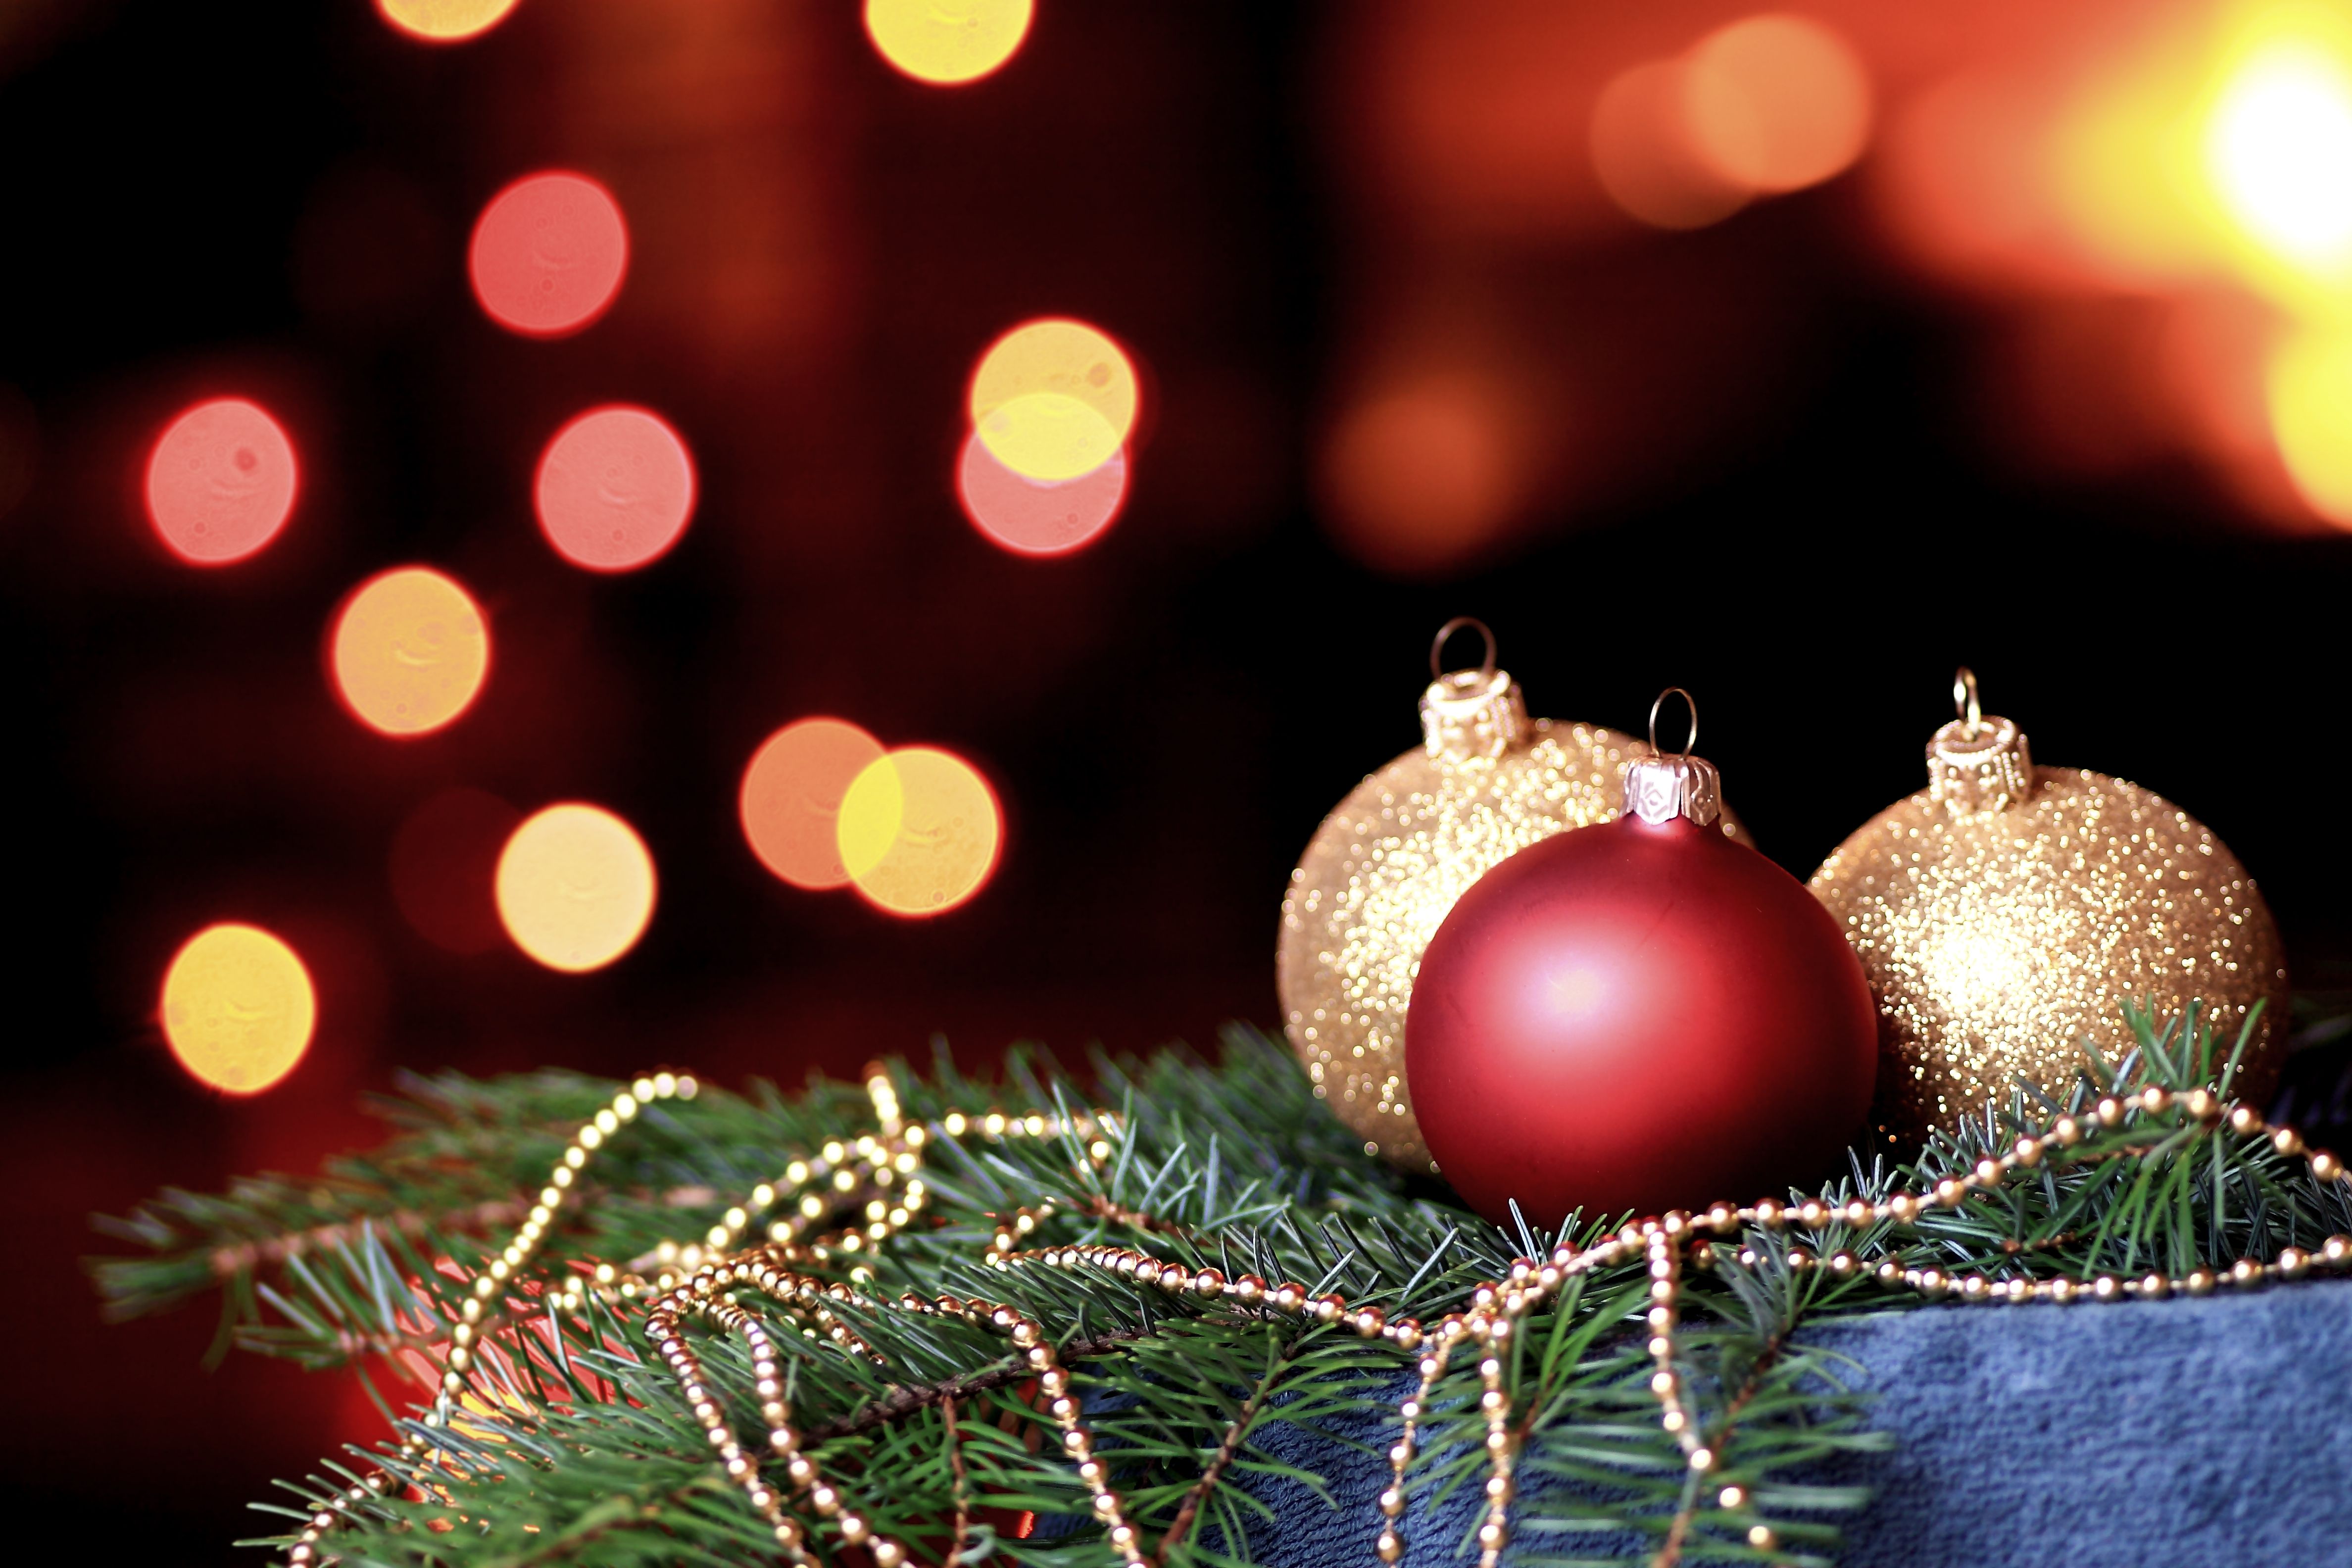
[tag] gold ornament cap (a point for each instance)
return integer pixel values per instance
(1975, 764)
(1470, 713)
(1660, 788)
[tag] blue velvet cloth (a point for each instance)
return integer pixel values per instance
(2212, 1433)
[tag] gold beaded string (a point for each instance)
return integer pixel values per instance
(1495, 1306)
(483, 1310)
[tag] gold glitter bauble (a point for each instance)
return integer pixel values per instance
(1386, 866)
(2007, 913)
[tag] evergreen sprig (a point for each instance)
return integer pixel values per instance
(577, 1448)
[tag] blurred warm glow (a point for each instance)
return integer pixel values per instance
(1777, 103)
(1029, 518)
(575, 887)
(442, 861)
(2280, 150)
(947, 42)
(220, 481)
(1645, 156)
(919, 831)
(237, 1008)
(1419, 477)
(411, 651)
(791, 800)
(548, 255)
(616, 489)
(1054, 400)
(444, 21)
(2311, 411)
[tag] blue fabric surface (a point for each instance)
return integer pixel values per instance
(2213, 1433)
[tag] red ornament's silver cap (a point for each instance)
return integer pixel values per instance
(1977, 763)
(1659, 789)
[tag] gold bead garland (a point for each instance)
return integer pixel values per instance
(776, 1269)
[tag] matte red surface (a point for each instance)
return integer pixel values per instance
(1637, 1018)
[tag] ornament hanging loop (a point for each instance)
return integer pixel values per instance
(1690, 741)
(1445, 635)
(1964, 701)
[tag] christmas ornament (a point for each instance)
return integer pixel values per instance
(1390, 860)
(2008, 913)
(1641, 1016)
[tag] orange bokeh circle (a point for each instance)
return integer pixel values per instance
(790, 798)
(411, 651)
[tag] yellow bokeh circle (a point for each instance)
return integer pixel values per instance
(2310, 418)
(947, 42)
(1054, 400)
(575, 887)
(411, 651)
(919, 831)
(444, 21)
(237, 1008)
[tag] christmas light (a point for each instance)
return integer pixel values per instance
(2279, 148)
(616, 489)
(237, 1008)
(410, 651)
(947, 42)
(1645, 156)
(1030, 518)
(919, 831)
(575, 887)
(548, 255)
(1776, 103)
(1053, 399)
(790, 798)
(444, 21)
(220, 481)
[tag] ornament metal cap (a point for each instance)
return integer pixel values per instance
(1470, 712)
(1659, 788)
(1977, 763)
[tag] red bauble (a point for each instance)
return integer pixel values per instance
(1637, 1016)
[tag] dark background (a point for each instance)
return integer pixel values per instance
(274, 200)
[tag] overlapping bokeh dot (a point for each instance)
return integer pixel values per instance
(790, 799)
(919, 831)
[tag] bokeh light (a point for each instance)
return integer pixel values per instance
(1030, 518)
(1645, 157)
(444, 21)
(220, 481)
(442, 861)
(616, 489)
(548, 255)
(2310, 411)
(790, 799)
(237, 1007)
(1053, 399)
(919, 831)
(1420, 475)
(410, 651)
(575, 887)
(947, 42)
(1777, 103)
(2279, 147)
